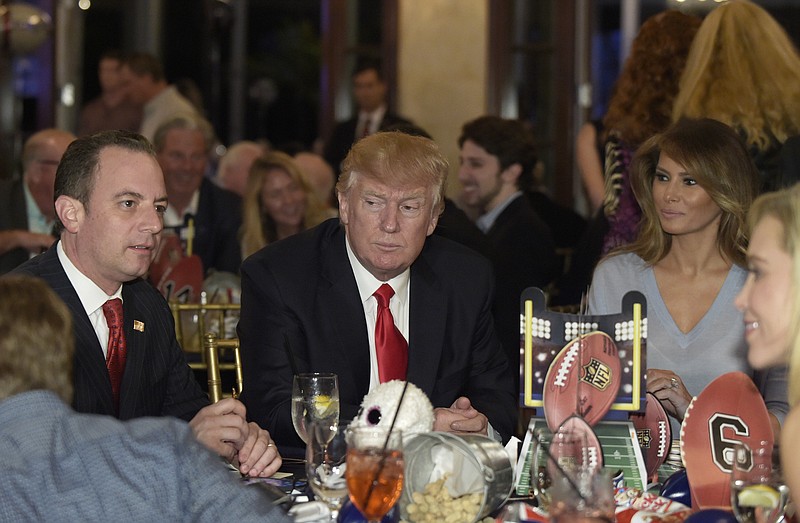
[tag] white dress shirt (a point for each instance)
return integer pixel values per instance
(92, 297)
(367, 285)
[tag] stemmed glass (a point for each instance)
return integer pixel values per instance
(315, 397)
(757, 493)
(326, 465)
(374, 470)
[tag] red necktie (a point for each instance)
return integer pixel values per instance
(365, 133)
(115, 355)
(390, 346)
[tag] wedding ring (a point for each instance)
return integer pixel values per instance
(673, 382)
(270, 444)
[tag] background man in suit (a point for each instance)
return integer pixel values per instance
(497, 161)
(58, 464)
(27, 214)
(182, 145)
(316, 290)
(369, 92)
(110, 201)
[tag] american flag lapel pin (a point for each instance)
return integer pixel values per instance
(138, 325)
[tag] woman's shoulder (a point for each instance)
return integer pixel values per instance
(620, 263)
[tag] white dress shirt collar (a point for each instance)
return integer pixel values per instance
(171, 217)
(92, 297)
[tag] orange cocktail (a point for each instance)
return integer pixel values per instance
(374, 471)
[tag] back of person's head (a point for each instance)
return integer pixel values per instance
(113, 54)
(511, 141)
(397, 160)
(743, 70)
(784, 206)
(76, 173)
(186, 122)
(717, 159)
(142, 64)
(36, 341)
(641, 103)
(408, 128)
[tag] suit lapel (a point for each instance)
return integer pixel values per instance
(427, 324)
(134, 361)
(90, 367)
(341, 305)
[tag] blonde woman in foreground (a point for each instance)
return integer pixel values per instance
(771, 306)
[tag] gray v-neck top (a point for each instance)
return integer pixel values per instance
(715, 346)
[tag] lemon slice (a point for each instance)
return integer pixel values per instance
(759, 496)
(322, 404)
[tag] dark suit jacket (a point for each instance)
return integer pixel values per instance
(303, 288)
(344, 136)
(157, 380)
(13, 215)
(217, 223)
(523, 255)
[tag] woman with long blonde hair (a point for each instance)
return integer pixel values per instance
(744, 71)
(278, 202)
(770, 303)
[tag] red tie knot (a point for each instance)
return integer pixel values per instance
(384, 294)
(112, 309)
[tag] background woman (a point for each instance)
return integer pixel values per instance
(743, 70)
(278, 202)
(694, 184)
(771, 307)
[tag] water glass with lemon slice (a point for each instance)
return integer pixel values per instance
(758, 495)
(315, 398)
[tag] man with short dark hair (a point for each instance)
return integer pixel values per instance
(369, 92)
(65, 466)
(497, 160)
(319, 301)
(146, 85)
(110, 201)
(111, 109)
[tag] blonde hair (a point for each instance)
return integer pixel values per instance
(743, 70)
(36, 341)
(784, 206)
(258, 227)
(397, 159)
(714, 155)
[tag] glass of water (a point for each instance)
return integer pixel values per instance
(758, 494)
(315, 398)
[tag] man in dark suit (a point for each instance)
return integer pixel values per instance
(369, 92)
(110, 201)
(182, 145)
(497, 161)
(308, 302)
(26, 205)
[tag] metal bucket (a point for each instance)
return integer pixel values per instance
(481, 454)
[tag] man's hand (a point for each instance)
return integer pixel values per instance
(222, 428)
(259, 456)
(32, 242)
(461, 418)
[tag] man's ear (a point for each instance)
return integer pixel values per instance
(70, 211)
(343, 206)
(511, 173)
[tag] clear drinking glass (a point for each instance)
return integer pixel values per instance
(758, 494)
(326, 466)
(315, 397)
(375, 470)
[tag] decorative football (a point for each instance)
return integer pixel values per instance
(654, 433)
(583, 379)
(575, 443)
(728, 410)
